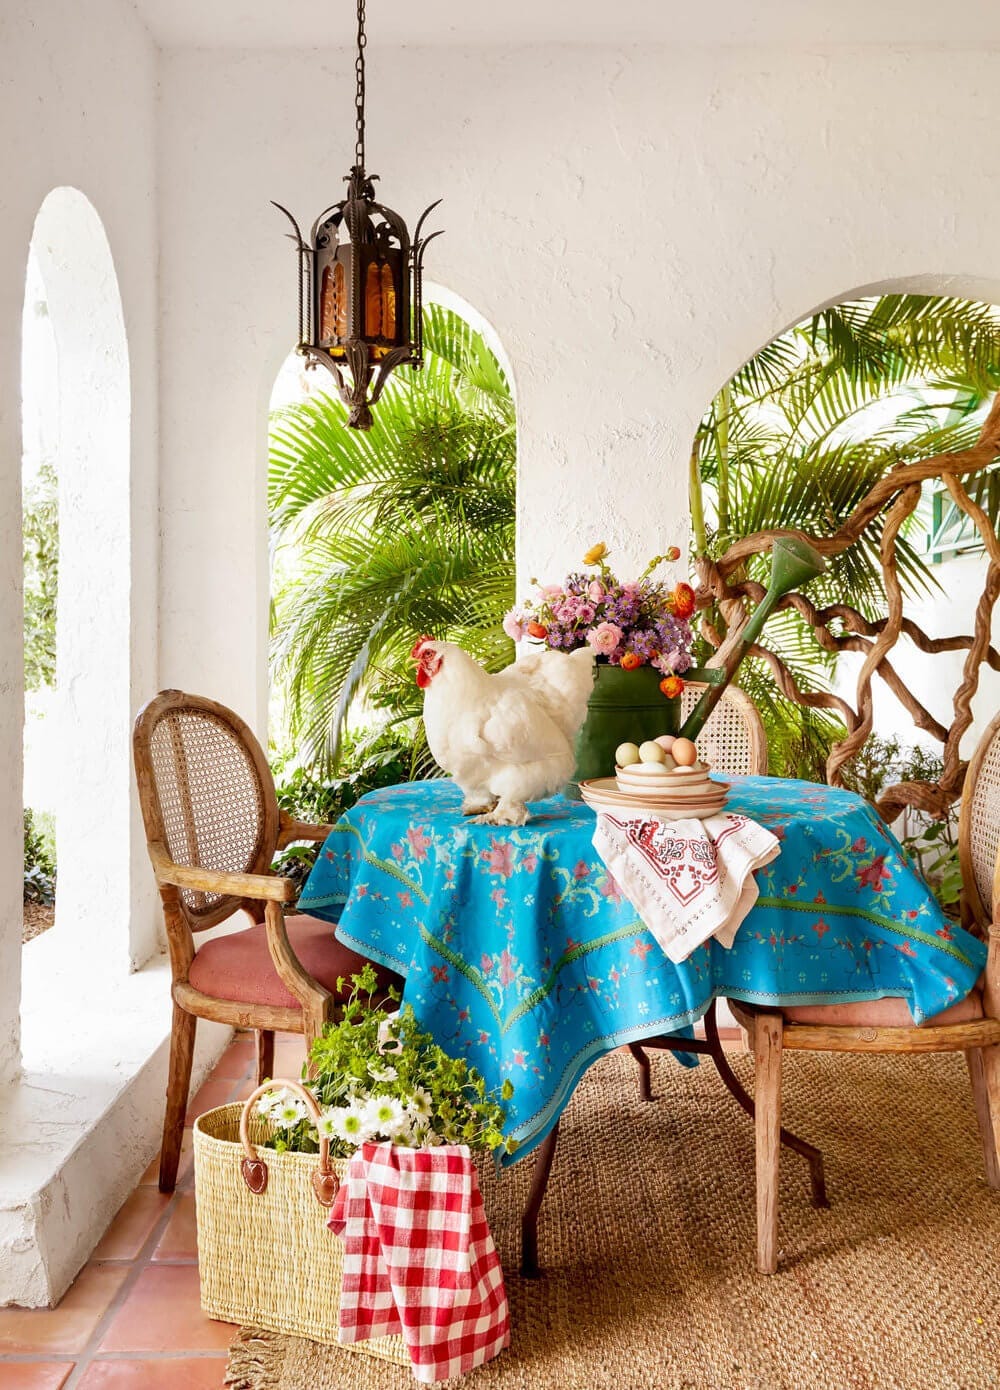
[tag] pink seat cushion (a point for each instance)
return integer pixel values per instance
(239, 967)
(883, 1013)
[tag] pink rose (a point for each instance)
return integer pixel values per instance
(595, 590)
(666, 662)
(604, 638)
(514, 625)
(550, 591)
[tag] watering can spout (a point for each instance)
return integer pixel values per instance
(793, 563)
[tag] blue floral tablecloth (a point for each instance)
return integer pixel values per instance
(520, 952)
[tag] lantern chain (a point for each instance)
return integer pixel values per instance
(359, 100)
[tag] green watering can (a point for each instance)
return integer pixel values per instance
(793, 563)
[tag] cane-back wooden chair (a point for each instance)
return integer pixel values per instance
(734, 740)
(212, 827)
(971, 1026)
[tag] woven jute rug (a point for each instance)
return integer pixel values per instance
(647, 1241)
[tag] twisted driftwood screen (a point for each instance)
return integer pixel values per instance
(892, 499)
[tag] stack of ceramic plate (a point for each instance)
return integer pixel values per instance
(668, 795)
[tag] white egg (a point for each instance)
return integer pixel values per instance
(649, 769)
(681, 771)
(626, 754)
(669, 763)
(650, 752)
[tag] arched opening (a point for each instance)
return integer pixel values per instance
(76, 512)
(378, 537)
(797, 439)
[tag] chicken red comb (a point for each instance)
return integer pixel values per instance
(418, 644)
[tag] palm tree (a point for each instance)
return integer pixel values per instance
(385, 535)
(802, 431)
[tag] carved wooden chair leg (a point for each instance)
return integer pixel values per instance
(265, 1054)
(645, 1071)
(984, 1071)
(529, 1217)
(767, 1126)
(812, 1155)
(178, 1085)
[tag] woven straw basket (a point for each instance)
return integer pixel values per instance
(265, 1255)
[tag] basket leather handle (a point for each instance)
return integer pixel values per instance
(252, 1166)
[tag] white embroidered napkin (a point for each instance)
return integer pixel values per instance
(687, 879)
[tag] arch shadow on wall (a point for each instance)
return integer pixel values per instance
(87, 410)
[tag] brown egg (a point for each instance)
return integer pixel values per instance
(684, 752)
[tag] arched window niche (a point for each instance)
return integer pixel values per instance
(768, 457)
(76, 411)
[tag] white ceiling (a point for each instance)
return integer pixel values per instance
(305, 24)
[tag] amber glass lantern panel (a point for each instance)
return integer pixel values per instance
(373, 301)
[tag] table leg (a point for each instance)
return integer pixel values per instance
(812, 1155)
(645, 1071)
(529, 1217)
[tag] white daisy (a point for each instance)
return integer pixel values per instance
(420, 1103)
(326, 1126)
(349, 1124)
(385, 1115)
(383, 1073)
(264, 1106)
(288, 1112)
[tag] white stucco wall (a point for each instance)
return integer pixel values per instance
(77, 108)
(634, 223)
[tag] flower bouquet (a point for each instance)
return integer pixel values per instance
(377, 1078)
(629, 624)
(640, 632)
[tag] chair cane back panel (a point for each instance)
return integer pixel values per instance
(214, 798)
(733, 740)
(979, 824)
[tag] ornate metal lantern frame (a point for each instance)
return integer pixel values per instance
(360, 298)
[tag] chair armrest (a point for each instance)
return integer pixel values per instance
(262, 887)
(290, 830)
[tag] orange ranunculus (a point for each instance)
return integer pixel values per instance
(630, 661)
(671, 687)
(537, 630)
(682, 601)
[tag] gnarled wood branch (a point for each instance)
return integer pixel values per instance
(893, 498)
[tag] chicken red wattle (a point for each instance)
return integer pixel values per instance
(428, 660)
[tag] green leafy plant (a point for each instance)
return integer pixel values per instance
(369, 761)
(39, 863)
(932, 845)
(40, 535)
(384, 535)
(378, 1078)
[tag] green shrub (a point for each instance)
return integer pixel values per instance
(39, 860)
(367, 762)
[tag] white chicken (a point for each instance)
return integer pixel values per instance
(507, 738)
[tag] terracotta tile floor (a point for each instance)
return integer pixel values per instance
(132, 1320)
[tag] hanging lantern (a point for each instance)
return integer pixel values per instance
(360, 276)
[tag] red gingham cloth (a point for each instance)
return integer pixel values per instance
(419, 1258)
